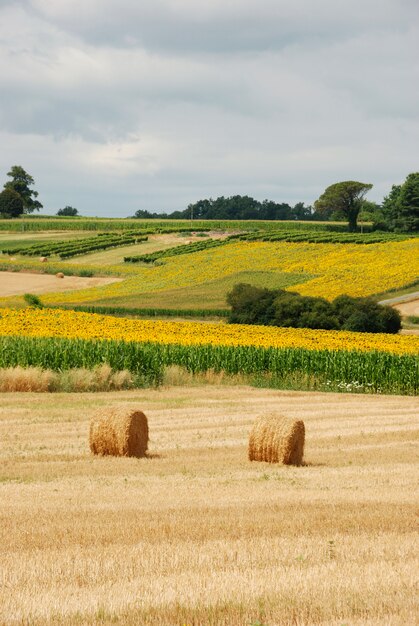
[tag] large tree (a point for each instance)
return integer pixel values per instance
(346, 198)
(20, 183)
(11, 204)
(401, 206)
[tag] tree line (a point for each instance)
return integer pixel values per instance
(344, 200)
(236, 208)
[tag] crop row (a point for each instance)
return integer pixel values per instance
(101, 241)
(380, 372)
(42, 223)
(188, 248)
(66, 249)
(321, 237)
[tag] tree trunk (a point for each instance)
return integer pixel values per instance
(352, 221)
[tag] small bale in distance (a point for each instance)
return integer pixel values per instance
(43, 259)
(59, 275)
(277, 439)
(119, 431)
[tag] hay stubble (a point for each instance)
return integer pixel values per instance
(198, 534)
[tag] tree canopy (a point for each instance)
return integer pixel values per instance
(277, 307)
(20, 183)
(235, 208)
(68, 211)
(401, 207)
(345, 197)
(11, 204)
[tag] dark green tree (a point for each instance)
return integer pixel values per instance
(346, 198)
(21, 181)
(408, 204)
(11, 204)
(68, 211)
(366, 315)
(250, 304)
(370, 211)
(277, 307)
(401, 207)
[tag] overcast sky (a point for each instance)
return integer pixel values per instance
(119, 105)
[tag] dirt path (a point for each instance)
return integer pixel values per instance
(17, 283)
(408, 308)
(407, 304)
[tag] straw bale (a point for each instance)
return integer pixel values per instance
(59, 275)
(277, 439)
(119, 431)
(43, 259)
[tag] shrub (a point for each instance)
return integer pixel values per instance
(269, 307)
(33, 300)
(366, 315)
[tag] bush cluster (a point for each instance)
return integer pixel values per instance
(277, 307)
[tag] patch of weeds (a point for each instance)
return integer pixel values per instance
(32, 300)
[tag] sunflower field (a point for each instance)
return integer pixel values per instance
(59, 339)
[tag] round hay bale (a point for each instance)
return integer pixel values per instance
(43, 259)
(277, 439)
(119, 431)
(59, 275)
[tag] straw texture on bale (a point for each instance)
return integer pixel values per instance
(119, 431)
(277, 439)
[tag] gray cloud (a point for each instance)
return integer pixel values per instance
(114, 107)
(221, 25)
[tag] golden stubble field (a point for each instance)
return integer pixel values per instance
(198, 535)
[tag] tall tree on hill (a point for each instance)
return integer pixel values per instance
(20, 183)
(346, 198)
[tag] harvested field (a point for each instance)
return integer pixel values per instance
(18, 283)
(195, 533)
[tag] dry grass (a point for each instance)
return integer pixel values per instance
(35, 379)
(178, 376)
(27, 379)
(277, 439)
(119, 431)
(196, 534)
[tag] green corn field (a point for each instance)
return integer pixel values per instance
(367, 371)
